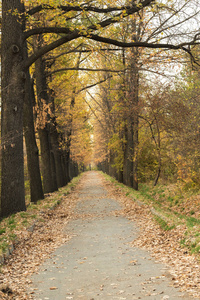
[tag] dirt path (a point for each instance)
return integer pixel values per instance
(99, 262)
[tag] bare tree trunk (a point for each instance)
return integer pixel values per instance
(135, 100)
(158, 146)
(49, 178)
(128, 155)
(31, 146)
(64, 167)
(54, 135)
(67, 165)
(53, 168)
(112, 169)
(48, 183)
(12, 87)
(57, 155)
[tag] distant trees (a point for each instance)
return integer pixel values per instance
(144, 101)
(45, 26)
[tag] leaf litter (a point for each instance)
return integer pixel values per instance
(34, 247)
(164, 246)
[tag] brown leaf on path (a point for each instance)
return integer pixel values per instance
(35, 247)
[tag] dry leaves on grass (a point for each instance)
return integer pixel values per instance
(33, 248)
(163, 245)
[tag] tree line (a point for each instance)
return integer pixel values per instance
(49, 51)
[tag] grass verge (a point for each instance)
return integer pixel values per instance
(11, 226)
(171, 206)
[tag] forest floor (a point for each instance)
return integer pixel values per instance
(95, 242)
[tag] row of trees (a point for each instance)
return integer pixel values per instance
(142, 112)
(168, 132)
(54, 42)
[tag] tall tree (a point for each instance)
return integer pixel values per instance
(47, 155)
(13, 89)
(31, 145)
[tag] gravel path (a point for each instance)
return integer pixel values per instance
(99, 262)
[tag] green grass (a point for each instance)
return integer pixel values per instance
(163, 224)
(24, 214)
(3, 244)
(192, 245)
(2, 230)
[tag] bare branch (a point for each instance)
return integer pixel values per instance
(83, 69)
(142, 44)
(92, 85)
(41, 30)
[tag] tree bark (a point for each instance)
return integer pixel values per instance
(112, 169)
(12, 87)
(158, 146)
(54, 135)
(49, 178)
(57, 155)
(64, 167)
(135, 100)
(128, 155)
(48, 183)
(31, 145)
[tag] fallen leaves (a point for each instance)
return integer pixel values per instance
(33, 247)
(163, 245)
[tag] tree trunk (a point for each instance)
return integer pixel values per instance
(158, 146)
(31, 145)
(54, 135)
(53, 170)
(64, 167)
(120, 176)
(57, 155)
(71, 169)
(112, 169)
(128, 155)
(12, 87)
(135, 100)
(49, 179)
(48, 184)
(66, 164)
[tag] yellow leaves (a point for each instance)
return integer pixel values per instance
(43, 112)
(124, 13)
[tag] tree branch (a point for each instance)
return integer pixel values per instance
(83, 51)
(92, 85)
(75, 34)
(70, 37)
(41, 30)
(83, 69)
(142, 44)
(114, 19)
(68, 8)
